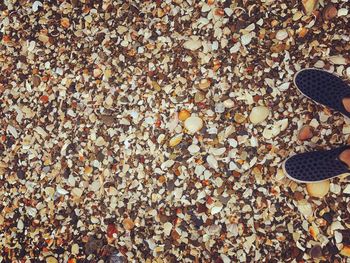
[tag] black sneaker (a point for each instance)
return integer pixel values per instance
(315, 166)
(323, 87)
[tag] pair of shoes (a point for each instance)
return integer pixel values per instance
(327, 89)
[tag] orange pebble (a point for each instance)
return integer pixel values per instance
(44, 98)
(128, 224)
(65, 22)
(184, 114)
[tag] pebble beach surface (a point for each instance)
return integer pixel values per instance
(155, 131)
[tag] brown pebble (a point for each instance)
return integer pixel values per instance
(316, 252)
(36, 81)
(329, 12)
(298, 196)
(128, 224)
(305, 133)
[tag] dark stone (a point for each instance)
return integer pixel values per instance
(21, 174)
(316, 252)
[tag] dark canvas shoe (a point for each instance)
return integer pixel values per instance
(324, 88)
(315, 166)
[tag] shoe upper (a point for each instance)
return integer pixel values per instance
(323, 87)
(316, 166)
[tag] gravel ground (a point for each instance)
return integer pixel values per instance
(154, 131)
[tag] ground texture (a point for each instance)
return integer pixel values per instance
(100, 160)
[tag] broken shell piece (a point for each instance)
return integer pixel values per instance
(175, 140)
(193, 124)
(309, 5)
(318, 190)
(167, 228)
(281, 35)
(271, 131)
(193, 43)
(314, 231)
(284, 86)
(193, 149)
(329, 12)
(51, 259)
(204, 84)
(216, 209)
(343, 12)
(259, 114)
(305, 133)
(239, 118)
(246, 39)
(338, 60)
(213, 163)
(229, 103)
(305, 208)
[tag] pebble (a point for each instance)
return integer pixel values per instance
(193, 149)
(281, 35)
(345, 251)
(338, 60)
(229, 103)
(175, 140)
(75, 249)
(193, 124)
(305, 208)
(65, 22)
(167, 228)
(239, 118)
(213, 163)
(184, 114)
(199, 96)
(347, 189)
(193, 44)
(335, 188)
(329, 12)
(319, 189)
(305, 133)
(219, 108)
(284, 86)
(128, 224)
(259, 114)
(216, 209)
(316, 251)
(204, 84)
(51, 260)
(309, 5)
(343, 12)
(246, 39)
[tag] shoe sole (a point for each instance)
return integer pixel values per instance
(346, 118)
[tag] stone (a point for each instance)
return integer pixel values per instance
(305, 133)
(184, 114)
(309, 5)
(259, 114)
(193, 43)
(193, 149)
(175, 140)
(128, 224)
(329, 12)
(319, 189)
(193, 124)
(281, 35)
